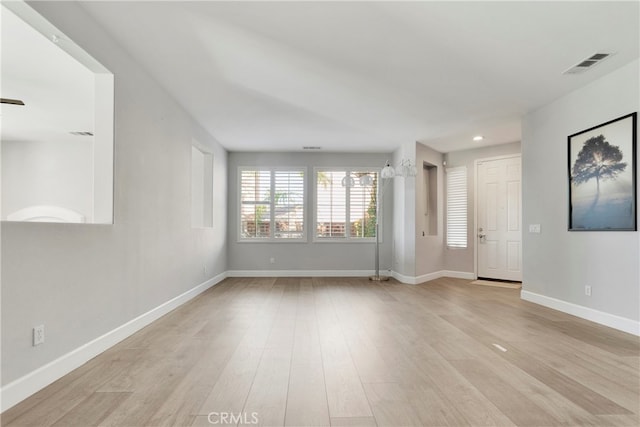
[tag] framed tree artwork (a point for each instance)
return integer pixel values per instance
(602, 177)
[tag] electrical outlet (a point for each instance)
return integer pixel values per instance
(587, 290)
(38, 335)
(534, 228)
(272, 260)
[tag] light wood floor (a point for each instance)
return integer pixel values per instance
(344, 352)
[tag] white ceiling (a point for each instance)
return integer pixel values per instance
(57, 90)
(368, 76)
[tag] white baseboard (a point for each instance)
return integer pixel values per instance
(409, 280)
(606, 319)
(414, 280)
(25, 386)
(300, 273)
(459, 274)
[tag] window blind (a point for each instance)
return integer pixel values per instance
(457, 207)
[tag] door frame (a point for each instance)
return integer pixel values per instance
(475, 203)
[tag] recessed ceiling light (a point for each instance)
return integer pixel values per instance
(478, 138)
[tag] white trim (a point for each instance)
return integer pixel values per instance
(300, 273)
(414, 280)
(606, 319)
(409, 280)
(428, 277)
(25, 386)
(468, 275)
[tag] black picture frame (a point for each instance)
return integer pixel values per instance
(602, 176)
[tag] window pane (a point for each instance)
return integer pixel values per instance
(363, 204)
(330, 204)
(255, 211)
(289, 204)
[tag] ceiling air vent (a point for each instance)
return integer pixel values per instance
(82, 133)
(310, 147)
(588, 63)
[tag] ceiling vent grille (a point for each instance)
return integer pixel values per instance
(311, 147)
(588, 63)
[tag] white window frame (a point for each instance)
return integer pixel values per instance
(272, 238)
(459, 245)
(346, 239)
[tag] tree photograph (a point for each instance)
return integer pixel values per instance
(602, 177)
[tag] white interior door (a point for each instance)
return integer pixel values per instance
(499, 232)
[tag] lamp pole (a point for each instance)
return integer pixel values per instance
(377, 277)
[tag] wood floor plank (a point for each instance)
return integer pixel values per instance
(353, 422)
(54, 402)
(468, 400)
(232, 388)
(190, 393)
(268, 395)
(583, 396)
(433, 408)
(390, 405)
(514, 404)
(93, 410)
(620, 389)
(346, 351)
(307, 396)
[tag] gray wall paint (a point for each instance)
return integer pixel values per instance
(82, 281)
(558, 263)
(462, 259)
(429, 250)
(309, 255)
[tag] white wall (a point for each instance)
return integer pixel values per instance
(56, 173)
(404, 217)
(82, 281)
(462, 259)
(317, 256)
(558, 263)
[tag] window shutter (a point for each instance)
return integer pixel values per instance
(346, 204)
(330, 204)
(457, 207)
(255, 204)
(363, 205)
(272, 204)
(289, 204)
